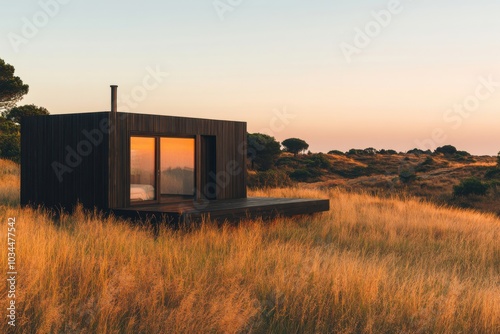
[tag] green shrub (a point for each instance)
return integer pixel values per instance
(418, 151)
(356, 172)
(493, 173)
(318, 161)
(370, 151)
(427, 165)
(287, 162)
(387, 152)
(336, 152)
(470, 186)
(366, 151)
(269, 179)
(494, 185)
(462, 154)
(354, 151)
(10, 146)
(304, 175)
(407, 173)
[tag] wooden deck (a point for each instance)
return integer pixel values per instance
(222, 210)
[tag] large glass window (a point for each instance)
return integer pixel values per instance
(142, 169)
(177, 166)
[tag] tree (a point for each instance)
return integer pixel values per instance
(336, 152)
(263, 150)
(498, 160)
(295, 145)
(418, 151)
(446, 149)
(370, 151)
(387, 152)
(12, 88)
(16, 113)
(355, 151)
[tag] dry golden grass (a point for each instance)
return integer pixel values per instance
(9, 183)
(370, 265)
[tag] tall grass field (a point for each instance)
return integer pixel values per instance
(369, 265)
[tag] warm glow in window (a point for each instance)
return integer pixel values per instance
(142, 169)
(177, 166)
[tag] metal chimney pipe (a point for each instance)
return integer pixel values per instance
(114, 93)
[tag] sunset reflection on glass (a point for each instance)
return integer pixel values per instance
(177, 166)
(142, 169)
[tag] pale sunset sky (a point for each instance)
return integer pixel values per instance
(338, 74)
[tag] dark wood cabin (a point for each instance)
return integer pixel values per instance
(139, 165)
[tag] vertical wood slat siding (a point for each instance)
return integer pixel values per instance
(44, 140)
(102, 178)
(230, 139)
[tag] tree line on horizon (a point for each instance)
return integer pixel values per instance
(271, 169)
(264, 150)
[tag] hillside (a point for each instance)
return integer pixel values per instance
(429, 176)
(370, 265)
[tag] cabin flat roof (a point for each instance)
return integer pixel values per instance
(134, 114)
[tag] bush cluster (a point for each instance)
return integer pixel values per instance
(269, 179)
(470, 186)
(304, 175)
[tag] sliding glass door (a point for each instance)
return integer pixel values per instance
(142, 169)
(177, 166)
(161, 169)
